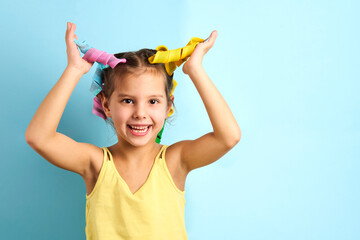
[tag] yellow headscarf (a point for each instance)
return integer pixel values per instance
(174, 58)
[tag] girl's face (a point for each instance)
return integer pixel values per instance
(139, 100)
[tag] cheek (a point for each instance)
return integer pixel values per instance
(159, 112)
(121, 114)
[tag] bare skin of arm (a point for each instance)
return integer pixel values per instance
(42, 135)
(226, 132)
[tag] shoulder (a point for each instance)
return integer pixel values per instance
(96, 159)
(173, 158)
(173, 151)
(96, 153)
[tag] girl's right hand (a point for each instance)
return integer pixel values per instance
(73, 54)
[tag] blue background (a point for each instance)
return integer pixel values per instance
(289, 70)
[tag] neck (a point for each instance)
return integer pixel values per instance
(135, 155)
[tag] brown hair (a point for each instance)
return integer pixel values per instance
(136, 63)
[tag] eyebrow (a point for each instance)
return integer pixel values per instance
(126, 95)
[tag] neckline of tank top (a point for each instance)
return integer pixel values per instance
(149, 175)
(157, 155)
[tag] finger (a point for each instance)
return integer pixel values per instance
(213, 36)
(67, 33)
(73, 27)
(210, 39)
(70, 34)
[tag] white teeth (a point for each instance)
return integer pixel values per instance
(140, 128)
(141, 131)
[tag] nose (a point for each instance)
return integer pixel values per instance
(139, 111)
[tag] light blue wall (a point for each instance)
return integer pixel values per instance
(289, 70)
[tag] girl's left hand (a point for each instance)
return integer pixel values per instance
(197, 55)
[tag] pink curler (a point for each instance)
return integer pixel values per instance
(98, 109)
(95, 55)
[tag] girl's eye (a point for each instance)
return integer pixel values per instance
(126, 99)
(154, 100)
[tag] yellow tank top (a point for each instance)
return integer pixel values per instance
(155, 211)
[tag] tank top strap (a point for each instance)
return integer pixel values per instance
(161, 155)
(107, 153)
(163, 150)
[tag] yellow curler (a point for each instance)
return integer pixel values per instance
(174, 58)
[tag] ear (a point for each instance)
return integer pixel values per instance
(104, 103)
(169, 106)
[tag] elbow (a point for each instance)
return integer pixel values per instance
(29, 135)
(234, 139)
(234, 142)
(237, 137)
(32, 139)
(230, 139)
(36, 136)
(29, 138)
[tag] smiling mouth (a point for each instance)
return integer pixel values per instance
(139, 132)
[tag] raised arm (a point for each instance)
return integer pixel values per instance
(226, 132)
(41, 134)
(47, 117)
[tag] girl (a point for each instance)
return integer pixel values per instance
(135, 188)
